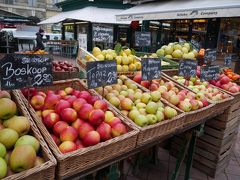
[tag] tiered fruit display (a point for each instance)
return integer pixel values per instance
(202, 88)
(34, 52)
(183, 99)
(18, 150)
(126, 61)
(177, 50)
(61, 66)
(143, 108)
(231, 75)
(76, 119)
(154, 55)
(225, 83)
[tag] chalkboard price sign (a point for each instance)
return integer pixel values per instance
(228, 60)
(151, 68)
(195, 45)
(209, 73)
(22, 70)
(188, 68)
(102, 33)
(210, 56)
(101, 73)
(142, 39)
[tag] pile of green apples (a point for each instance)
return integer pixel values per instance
(18, 150)
(143, 108)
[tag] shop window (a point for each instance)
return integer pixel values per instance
(32, 3)
(9, 1)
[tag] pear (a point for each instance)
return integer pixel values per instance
(22, 158)
(28, 140)
(3, 169)
(8, 137)
(18, 123)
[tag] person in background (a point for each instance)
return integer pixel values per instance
(39, 40)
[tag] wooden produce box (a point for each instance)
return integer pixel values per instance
(44, 171)
(72, 163)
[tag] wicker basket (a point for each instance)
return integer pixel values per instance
(157, 130)
(46, 170)
(74, 162)
(219, 105)
(65, 75)
(192, 116)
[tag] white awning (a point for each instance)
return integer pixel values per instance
(181, 9)
(91, 14)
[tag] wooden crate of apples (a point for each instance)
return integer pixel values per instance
(80, 128)
(22, 150)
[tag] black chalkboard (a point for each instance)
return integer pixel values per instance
(188, 68)
(22, 70)
(195, 45)
(142, 39)
(209, 73)
(151, 68)
(102, 33)
(101, 73)
(228, 60)
(210, 56)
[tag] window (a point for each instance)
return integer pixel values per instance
(32, 3)
(8, 1)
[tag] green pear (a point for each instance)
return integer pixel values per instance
(3, 150)
(152, 119)
(22, 158)
(19, 123)
(28, 140)
(8, 137)
(151, 107)
(141, 120)
(3, 169)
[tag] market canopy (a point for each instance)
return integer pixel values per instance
(181, 9)
(91, 14)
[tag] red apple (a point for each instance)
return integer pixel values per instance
(50, 92)
(67, 146)
(166, 95)
(85, 110)
(104, 131)
(85, 128)
(96, 117)
(78, 103)
(92, 99)
(51, 100)
(137, 78)
(70, 99)
(118, 129)
(62, 104)
(51, 119)
(194, 103)
(205, 102)
(169, 85)
(46, 112)
(37, 102)
(76, 124)
(59, 127)
(181, 96)
(79, 144)
(56, 139)
(4, 94)
(153, 87)
(145, 84)
(114, 121)
(91, 138)
(69, 115)
(76, 93)
(225, 80)
(69, 90)
(233, 89)
(84, 94)
(69, 134)
(100, 104)
(62, 93)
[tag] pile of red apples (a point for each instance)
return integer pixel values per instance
(183, 99)
(62, 66)
(76, 119)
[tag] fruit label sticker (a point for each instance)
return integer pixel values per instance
(188, 68)
(209, 73)
(195, 45)
(228, 60)
(101, 73)
(142, 39)
(102, 33)
(22, 70)
(151, 68)
(210, 56)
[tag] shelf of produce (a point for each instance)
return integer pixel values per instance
(219, 104)
(157, 130)
(47, 169)
(192, 116)
(79, 160)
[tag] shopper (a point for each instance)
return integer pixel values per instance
(39, 40)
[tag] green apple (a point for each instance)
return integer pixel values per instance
(3, 169)
(3, 150)
(151, 107)
(124, 93)
(152, 119)
(160, 116)
(130, 91)
(132, 86)
(138, 95)
(141, 120)
(156, 96)
(145, 98)
(160, 108)
(8, 137)
(137, 101)
(28, 140)
(133, 114)
(169, 112)
(141, 105)
(142, 111)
